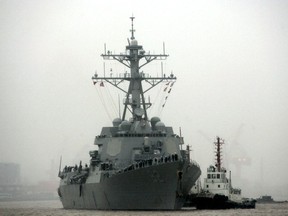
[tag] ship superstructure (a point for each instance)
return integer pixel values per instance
(139, 163)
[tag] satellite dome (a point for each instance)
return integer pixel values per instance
(134, 42)
(125, 126)
(116, 122)
(160, 126)
(154, 120)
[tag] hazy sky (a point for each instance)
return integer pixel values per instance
(230, 58)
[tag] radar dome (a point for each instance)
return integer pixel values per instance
(116, 122)
(134, 42)
(125, 126)
(154, 120)
(160, 126)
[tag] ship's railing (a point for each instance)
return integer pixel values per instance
(151, 162)
(148, 163)
(236, 191)
(129, 134)
(128, 75)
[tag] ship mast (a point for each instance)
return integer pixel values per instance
(134, 100)
(219, 142)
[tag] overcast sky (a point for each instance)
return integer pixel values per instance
(230, 58)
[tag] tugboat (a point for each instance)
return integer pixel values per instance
(139, 164)
(218, 192)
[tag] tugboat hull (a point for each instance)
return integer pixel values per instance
(218, 201)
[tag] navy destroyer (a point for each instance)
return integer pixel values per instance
(140, 163)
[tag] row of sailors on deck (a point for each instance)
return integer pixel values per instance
(75, 168)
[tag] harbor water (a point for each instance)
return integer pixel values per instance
(54, 208)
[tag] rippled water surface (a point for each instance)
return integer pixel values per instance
(51, 208)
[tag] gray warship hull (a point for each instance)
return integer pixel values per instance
(149, 188)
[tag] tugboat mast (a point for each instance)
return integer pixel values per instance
(218, 147)
(134, 100)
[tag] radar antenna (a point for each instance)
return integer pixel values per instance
(132, 28)
(133, 58)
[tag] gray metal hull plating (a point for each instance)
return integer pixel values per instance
(154, 187)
